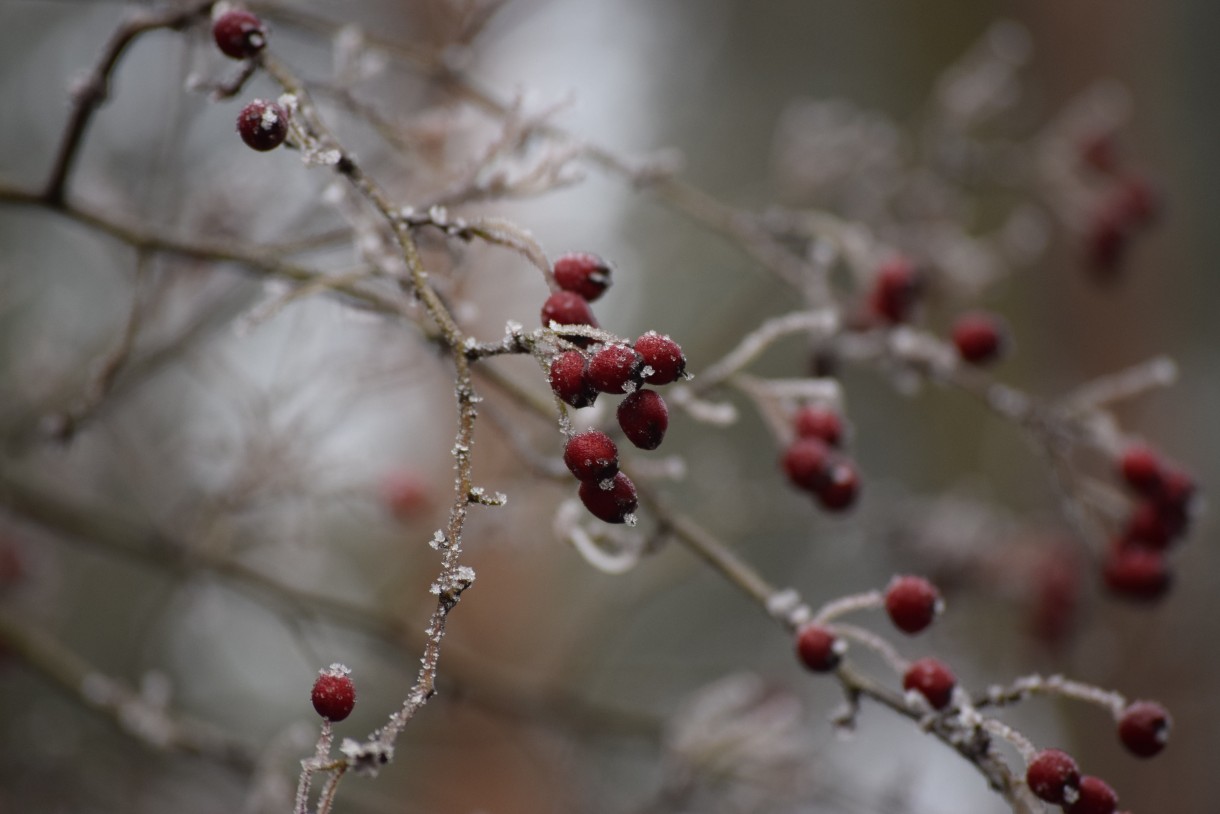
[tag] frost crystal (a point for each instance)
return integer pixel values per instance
(438, 540)
(366, 758)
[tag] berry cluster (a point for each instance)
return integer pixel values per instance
(577, 377)
(1127, 206)
(239, 34)
(813, 461)
(1135, 564)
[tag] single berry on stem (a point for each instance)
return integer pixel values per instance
(613, 505)
(840, 485)
(239, 34)
(615, 369)
(1144, 728)
(980, 338)
(644, 418)
(591, 456)
(817, 421)
(932, 679)
(263, 125)
(334, 694)
(570, 381)
(818, 648)
(1093, 796)
(1051, 774)
(912, 603)
(895, 290)
(582, 273)
(663, 355)
(805, 463)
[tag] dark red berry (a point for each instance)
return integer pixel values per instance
(1051, 774)
(1152, 524)
(980, 338)
(1140, 466)
(406, 494)
(1137, 200)
(1106, 240)
(615, 369)
(612, 505)
(591, 456)
(570, 381)
(1177, 490)
(840, 485)
(583, 274)
(912, 603)
(1136, 573)
(263, 125)
(818, 648)
(1144, 728)
(895, 290)
(816, 421)
(566, 308)
(1093, 796)
(663, 355)
(932, 679)
(644, 418)
(334, 694)
(239, 34)
(805, 463)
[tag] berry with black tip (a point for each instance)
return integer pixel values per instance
(1093, 796)
(1137, 573)
(980, 338)
(570, 381)
(932, 679)
(663, 355)
(817, 421)
(818, 648)
(1053, 775)
(805, 463)
(644, 418)
(239, 34)
(582, 273)
(840, 485)
(591, 456)
(912, 603)
(1144, 728)
(895, 291)
(334, 694)
(263, 125)
(615, 369)
(566, 308)
(613, 505)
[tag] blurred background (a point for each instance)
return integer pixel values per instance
(248, 498)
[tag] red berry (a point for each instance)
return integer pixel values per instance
(1051, 774)
(895, 290)
(816, 421)
(1137, 200)
(980, 338)
(818, 648)
(1140, 466)
(1100, 152)
(1094, 796)
(663, 355)
(569, 379)
(615, 369)
(644, 418)
(932, 679)
(239, 34)
(1152, 524)
(334, 694)
(1136, 573)
(1106, 239)
(566, 308)
(583, 274)
(263, 125)
(612, 505)
(840, 484)
(591, 456)
(1144, 728)
(912, 603)
(805, 462)
(1177, 490)
(406, 494)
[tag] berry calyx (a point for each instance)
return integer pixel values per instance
(582, 273)
(932, 679)
(263, 125)
(1144, 728)
(819, 649)
(644, 418)
(615, 369)
(664, 357)
(1051, 774)
(334, 694)
(816, 421)
(569, 379)
(1140, 466)
(613, 505)
(1136, 573)
(895, 290)
(239, 34)
(805, 463)
(912, 603)
(980, 338)
(591, 456)
(566, 308)
(840, 484)
(1093, 796)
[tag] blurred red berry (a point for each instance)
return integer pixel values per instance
(583, 274)
(895, 290)
(1093, 796)
(840, 484)
(805, 463)
(816, 421)
(263, 125)
(239, 34)
(1051, 774)
(1140, 466)
(1136, 573)
(912, 603)
(980, 338)
(818, 648)
(406, 494)
(1144, 728)
(932, 679)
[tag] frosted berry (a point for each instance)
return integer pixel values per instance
(1140, 466)
(663, 355)
(615, 369)
(979, 337)
(912, 603)
(566, 308)
(932, 679)
(816, 421)
(1094, 796)
(612, 505)
(239, 34)
(840, 484)
(895, 290)
(263, 125)
(1051, 774)
(818, 648)
(1136, 573)
(583, 274)
(805, 463)
(569, 379)
(644, 418)
(1144, 728)
(591, 456)
(334, 694)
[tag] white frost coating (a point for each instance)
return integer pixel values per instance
(438, 540)
(568, 529)
(720, 414)
(366, 758)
